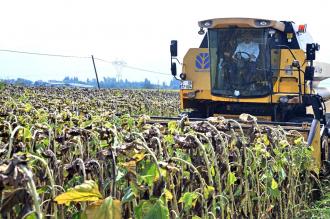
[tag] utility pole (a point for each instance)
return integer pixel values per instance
(97, 78)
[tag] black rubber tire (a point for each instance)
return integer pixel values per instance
(325, 150)
(325, 156)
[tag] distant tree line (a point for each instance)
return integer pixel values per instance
(106, 82)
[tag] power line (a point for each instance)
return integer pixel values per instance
(102, 60)
(83, 57)
(44, 54)
(142, 69)
(133, 67)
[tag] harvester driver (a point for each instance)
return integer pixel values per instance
(246, 55)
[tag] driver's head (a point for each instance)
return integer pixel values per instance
(248, 37)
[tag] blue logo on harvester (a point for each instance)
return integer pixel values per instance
(202, 61)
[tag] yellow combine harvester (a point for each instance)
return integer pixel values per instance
(260, 67)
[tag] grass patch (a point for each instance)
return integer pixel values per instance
(321, 208)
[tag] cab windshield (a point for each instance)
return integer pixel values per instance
(240, 62)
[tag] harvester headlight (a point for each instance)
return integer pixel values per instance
(183, 76)
(207, 24)
(284, 99)
(262, 22)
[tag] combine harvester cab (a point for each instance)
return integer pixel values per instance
(264, 68)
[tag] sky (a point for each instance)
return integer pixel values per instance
(136, 32)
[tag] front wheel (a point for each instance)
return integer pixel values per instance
(325, 155)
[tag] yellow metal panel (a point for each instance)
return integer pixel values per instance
(181, 100)
(289, 81)
(200, 77)
(242, 100)
(289, 85)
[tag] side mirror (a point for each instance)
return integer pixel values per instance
(311, 48)
(173, 68)
(309, 73)
(174, 48)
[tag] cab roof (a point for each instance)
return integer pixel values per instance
(241, 22)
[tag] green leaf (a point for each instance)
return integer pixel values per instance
(103, 144)
(189, 200)
(281, 174)
(86, 123)
(43, 189)
(274, 184)
(149, 174)
(142, 209)
(208, 190)
(88, 191)
(172, 126)
(27, 134)
(265, 139)
(275, 193)
(30, 215)
(104, 209)
(135, 189)
(79, 215)
(28, 107)
(168, 194)
(284, 143)
(169, 139)
(299, 141)
(129, 195)
(186, 174)
(231, 178)
(158, 211)
(212, 171)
